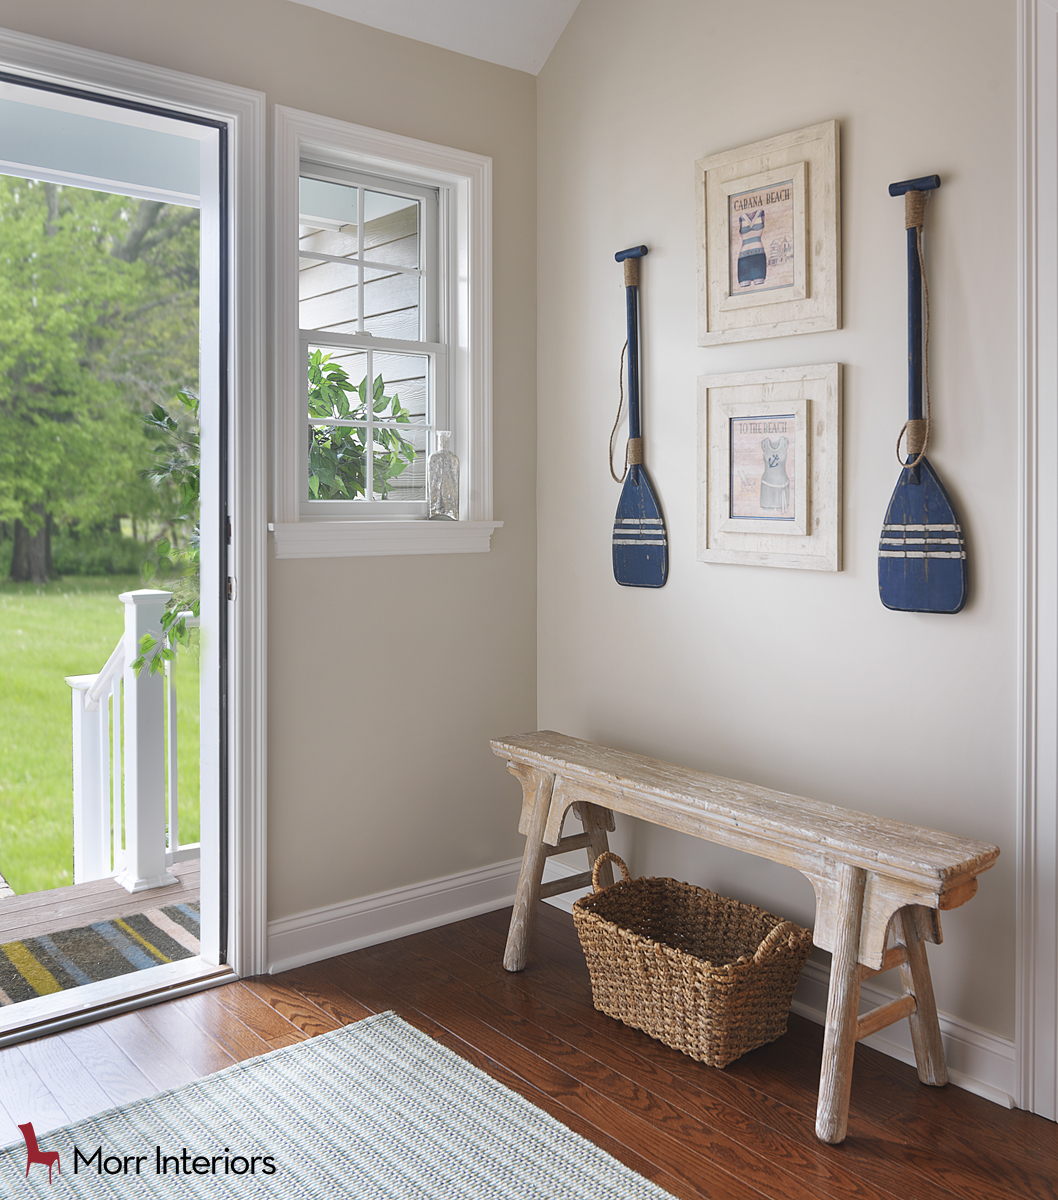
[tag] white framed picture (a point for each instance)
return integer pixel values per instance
(769, 467)
(769, 238)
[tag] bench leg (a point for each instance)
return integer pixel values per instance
(528, 893)
(925, 1028)
(843, 1002)
(596, 822)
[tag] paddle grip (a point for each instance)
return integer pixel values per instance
(914, 299)
(924, 184)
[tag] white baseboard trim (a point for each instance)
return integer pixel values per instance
(369, 920)
(339, 928)
(978, 1061)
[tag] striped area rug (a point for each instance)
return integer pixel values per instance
(39, 966)
(374, 1111)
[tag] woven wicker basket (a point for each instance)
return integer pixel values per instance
(703, 974)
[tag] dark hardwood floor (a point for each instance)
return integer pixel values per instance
(738, 1134)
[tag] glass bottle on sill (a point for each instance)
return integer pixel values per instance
(442, 481)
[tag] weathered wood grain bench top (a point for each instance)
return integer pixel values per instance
(874, 878)
(734, 810)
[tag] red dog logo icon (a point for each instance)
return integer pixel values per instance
(34, 1154)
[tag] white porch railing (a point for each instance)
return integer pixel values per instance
(126, 820)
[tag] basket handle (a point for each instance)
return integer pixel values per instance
(777, 935)
(605, 857)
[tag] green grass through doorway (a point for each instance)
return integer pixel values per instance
(47, 632)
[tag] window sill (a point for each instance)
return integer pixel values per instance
(348, 539)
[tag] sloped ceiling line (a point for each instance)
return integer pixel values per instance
(510, 33)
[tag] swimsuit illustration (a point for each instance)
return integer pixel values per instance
(775, 483)
(752, 261)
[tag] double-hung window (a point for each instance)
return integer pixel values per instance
(383, 339)
(372, 320)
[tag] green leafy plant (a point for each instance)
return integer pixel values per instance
(177, 471)
(338, 453)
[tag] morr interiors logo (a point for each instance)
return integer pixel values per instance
(185, 1162)
(34, 1154)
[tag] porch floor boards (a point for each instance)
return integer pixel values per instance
(744, 1133)
(38, 913)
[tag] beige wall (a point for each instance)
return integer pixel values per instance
(795, 679)
(373, 787)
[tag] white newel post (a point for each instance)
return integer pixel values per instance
(91, 841)
(144, 749)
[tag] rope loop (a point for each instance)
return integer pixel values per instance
(917, 441)
(601, 861)
(621, 383)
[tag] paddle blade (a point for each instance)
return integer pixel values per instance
(640, 545)
(921, 555)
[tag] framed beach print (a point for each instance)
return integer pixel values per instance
(769, 238)
(769, 468)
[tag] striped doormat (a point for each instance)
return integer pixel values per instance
(54, 962)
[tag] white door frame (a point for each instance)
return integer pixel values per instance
(243, 113)
(1036, 1036)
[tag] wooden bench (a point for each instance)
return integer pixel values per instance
(879, 884)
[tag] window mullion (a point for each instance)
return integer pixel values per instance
(395, 268)
(369, 464)
(369, 432)
(360, 222)
(357, 341)
(440, 417)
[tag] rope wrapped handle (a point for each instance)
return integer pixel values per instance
(918, 430)
(602, 860)
(772, 941)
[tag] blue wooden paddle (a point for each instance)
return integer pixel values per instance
(640, 545)
(921, 554)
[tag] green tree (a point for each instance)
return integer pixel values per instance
(98, 319)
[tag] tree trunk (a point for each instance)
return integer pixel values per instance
(31, 556)
(31, 553)
(51, 195)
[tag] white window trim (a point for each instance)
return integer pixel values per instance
(468, 178)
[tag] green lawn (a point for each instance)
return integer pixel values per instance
(46, 633)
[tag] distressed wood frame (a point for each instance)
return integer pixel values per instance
(813, 396)
(809, 159)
